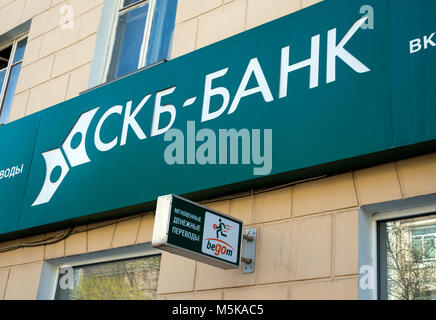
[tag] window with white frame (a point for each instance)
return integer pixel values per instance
(407, 264)
(126, 279)
(141, 35)
(423, 243)
(11, 58)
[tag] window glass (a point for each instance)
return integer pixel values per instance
(128, 42)
(9, 73)
(5, 54)
(10, 92)
(162, 31)
(2, 77)
(132, 279)
(407, 258)
(19, 52)
(129, 2)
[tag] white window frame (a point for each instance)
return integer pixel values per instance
(422, 238)
(50, 270)
(9, 67)
(147, 32)
(369, 217)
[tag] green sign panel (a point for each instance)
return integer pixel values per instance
(194, 231)
(339, 81)
(17, 141)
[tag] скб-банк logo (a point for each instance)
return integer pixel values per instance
(75, 152)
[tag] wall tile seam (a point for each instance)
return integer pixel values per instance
(137, 232)
(19, 241)
(266, 285)
(60, 256)
(215, 290)
(27, 101)
(300, 7)
(345, 276)
(44, 107)
(263, 285)
(320, 279)
(44, 253)
(40, 57)
(272, 222)
(86, 241)
(293, 219)
(34, 36)
(332, 243)
(342, 209)
(23, 240)
(245, 18)
(356, 194)
(6, 4)
(115, 231)
(6, 284)
(22, 75)
(21, 13)
(72, 45)
(22, 264)
(221, 287)
(51, 79)
(41, 12)
(53, 3)
(194, 281)
(397, 173)
(66, 90)
(24, 64)
(201, 14)
(197, 47)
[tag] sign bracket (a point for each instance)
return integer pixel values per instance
(249, 255)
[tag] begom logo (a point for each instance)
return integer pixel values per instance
(221, 248)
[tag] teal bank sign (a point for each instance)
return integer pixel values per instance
(335, 85)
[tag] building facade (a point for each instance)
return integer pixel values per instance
(318, 236)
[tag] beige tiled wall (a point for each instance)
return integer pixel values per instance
(200, 23)
(308, 233)
(57, 61)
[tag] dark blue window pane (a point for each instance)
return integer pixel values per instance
(10, 92)
(129, 2)
(162, 31)
(128, 42)
(2, 78)
(19, 52)
(5, 55)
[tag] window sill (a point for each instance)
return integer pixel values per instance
(125, 76)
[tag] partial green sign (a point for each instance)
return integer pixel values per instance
(17, 141)
(197, 232)
(413, 67)
(339, 80)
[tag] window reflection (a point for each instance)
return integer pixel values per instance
(409, 253)
(128, 42)
(132, 279)
(10, 93)
(9, 75)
